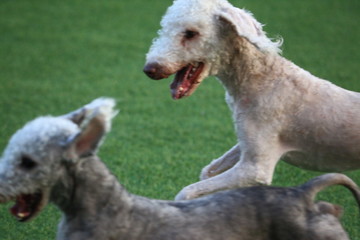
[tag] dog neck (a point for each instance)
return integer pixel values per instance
(94, 202)
(88, 189)
(247, 70)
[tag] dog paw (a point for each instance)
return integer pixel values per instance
(185, 194)
(206, 173)
(210, 170)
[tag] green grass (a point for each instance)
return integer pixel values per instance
(56, 56)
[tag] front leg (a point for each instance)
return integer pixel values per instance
(252, 169)
(219, 165)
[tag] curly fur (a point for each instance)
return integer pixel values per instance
(55, 158)
(280, 111)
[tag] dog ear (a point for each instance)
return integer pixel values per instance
(242, 22)
(94, 121)
(246, 26)
(81, 114)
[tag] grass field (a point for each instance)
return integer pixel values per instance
(56, 56)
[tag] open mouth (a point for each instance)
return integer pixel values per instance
(186, 80)
(27, 206)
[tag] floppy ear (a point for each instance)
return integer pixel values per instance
(242, 22)
(95, 123)
(76, 116)
(80, 115)
(245, 25)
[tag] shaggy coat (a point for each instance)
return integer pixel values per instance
(280, 111)
(53, 159)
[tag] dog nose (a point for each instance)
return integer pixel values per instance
(154, 71)
(150, 70)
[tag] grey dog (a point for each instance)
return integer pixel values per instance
(53, 159)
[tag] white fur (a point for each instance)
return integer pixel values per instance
(280, 111)
(40, 138)
(52, 159)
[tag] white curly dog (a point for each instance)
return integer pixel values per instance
(280, 111)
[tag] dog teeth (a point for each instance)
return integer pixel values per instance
(181, 88)
(21, 215)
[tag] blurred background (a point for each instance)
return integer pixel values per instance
(56, 56)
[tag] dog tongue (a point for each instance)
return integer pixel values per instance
(186, 80)
(181, 83)
(21, 208)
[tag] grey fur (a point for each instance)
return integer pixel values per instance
(57, 157)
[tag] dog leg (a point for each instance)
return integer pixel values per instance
(252, 169)
(329, 208)
(219, 165)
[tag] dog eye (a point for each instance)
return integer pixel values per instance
(189, 34)
(27, 163)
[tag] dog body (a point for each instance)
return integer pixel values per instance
(53, 159)
(280, 111)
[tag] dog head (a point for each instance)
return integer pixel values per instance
(38, 155)
(193, 44)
